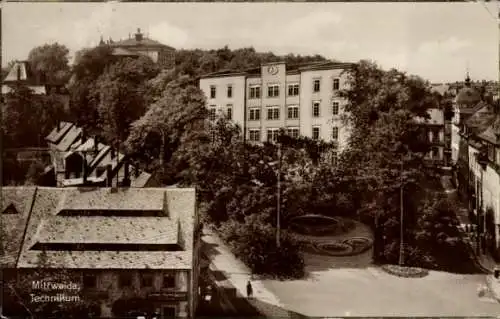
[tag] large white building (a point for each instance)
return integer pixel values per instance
(303, 99)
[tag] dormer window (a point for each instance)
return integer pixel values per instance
(11, 209)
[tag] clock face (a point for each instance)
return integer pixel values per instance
(272, 69)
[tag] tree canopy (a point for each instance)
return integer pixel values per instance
(50, 62)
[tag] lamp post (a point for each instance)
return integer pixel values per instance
(482, 160)
(401, 246)
(278, 208)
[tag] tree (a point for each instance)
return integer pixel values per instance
(253, 240)
(174, 121)
(28, 118)
(439, 236)
(90, 64)
(120, 91)
(50, 62)
(385, 158)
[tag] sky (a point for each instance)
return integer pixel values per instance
(437, 41)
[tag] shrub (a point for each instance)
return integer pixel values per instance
(254, 242)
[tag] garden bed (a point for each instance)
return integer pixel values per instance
(405, 272)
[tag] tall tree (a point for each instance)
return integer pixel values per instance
(121, 94)
(90, 64)
(384, 160)
(50, 62)
(174, 121)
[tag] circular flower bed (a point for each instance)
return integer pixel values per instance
(359, 244)
(406, 272)
(319, 225)
(335, 249)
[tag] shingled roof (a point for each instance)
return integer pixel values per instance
(120, 240)
(66, 140)
(16, 207)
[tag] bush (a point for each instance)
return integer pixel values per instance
(255, 244)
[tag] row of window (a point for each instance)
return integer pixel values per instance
(125, 280)
(272, 133)
(273, 112)
(273, 90)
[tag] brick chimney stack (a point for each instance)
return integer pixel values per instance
(138, 35)
(109, 175)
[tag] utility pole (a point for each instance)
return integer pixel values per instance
(401, 246)
(278, 209)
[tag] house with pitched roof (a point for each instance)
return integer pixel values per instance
(140, 44)
(476, 158)
(21, 73)
(129, 249)
(79, 160)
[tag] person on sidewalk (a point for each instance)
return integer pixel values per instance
(249, 289)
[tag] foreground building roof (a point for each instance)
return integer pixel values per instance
(99, 228)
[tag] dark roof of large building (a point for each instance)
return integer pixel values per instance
(492, 132)
(481, 118)
(290, 68)
(103, 240)
(140, 41)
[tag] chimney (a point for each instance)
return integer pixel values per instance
(84, 170)
(138, 35)
(136, 171)
(58, 125)
(19, 72)
(96, 144)
(112, 152)
(109, 177)
(84, 136)
(126, 179)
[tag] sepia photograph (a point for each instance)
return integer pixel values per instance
(265, 160)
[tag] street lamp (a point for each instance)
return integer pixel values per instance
(482, 160)
(278, 209)
(401, 246)
(278, 197)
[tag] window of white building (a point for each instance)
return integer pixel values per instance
(293, 111)
(254, 135)
(316, 108)
(254, 114)
(273, 90)
(293, 131)
(273, 113)
(272, 134)
(293, 89)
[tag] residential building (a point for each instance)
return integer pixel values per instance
(141, 44)
(476, 158)
(21, 74)
(128, 249)
(435, 127)
(302, 99)
(79, 160)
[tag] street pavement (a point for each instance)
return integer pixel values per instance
(372, 292)
(486, 261)
(237, 274)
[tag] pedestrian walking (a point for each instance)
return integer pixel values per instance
(249, 289)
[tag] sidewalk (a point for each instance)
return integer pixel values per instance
(485, 261)
(237, 274)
